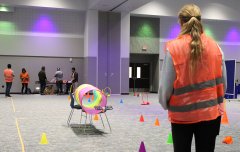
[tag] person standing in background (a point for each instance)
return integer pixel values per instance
(42, 80)
(74, 79)
(192, 84)
(25, 80)
(8, 75)
(59, 76)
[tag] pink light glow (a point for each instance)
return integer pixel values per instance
(44, 24)
(233, 35)
(174, 31)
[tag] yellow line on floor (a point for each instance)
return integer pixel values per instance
(19, 135)
(14, 110)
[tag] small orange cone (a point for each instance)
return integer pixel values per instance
(141, 119)
(69, 98)
(96, 118)
(92, 97)
(224, 119)
(157, 122)
(228, 140)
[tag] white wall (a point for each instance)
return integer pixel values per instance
(35, 37)
(91, 34)
(42, 32)
(238, 71)
(125, 35)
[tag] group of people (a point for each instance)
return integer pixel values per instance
(59, 80)
(25, 79)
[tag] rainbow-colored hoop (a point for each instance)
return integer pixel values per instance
(99, 98)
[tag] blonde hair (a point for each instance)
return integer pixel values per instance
(190, 20)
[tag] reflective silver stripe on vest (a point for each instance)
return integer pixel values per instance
(198, 86)
(196, 106)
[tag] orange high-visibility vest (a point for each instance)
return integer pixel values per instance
(8, 74)
(24, 77)
(195, 97)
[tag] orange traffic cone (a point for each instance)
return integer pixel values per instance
(157, 122)
(96, 117)
(228, 140)
(92, 97)
(224, 119)
(141, 119)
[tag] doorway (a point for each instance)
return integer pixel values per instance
(144, 73)
(139, 76)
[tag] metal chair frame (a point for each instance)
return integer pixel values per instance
(78, 107)
(100, 114)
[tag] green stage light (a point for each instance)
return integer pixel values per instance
(209, 32)
(5, 8)
(145, 30)
(7, 27)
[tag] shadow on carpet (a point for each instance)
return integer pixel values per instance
(89, 129)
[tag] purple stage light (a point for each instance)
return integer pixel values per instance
(174, 31)
(233, 35)
(44, 24)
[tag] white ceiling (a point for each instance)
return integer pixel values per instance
(117, 5)
(82, 5)
(61, 4)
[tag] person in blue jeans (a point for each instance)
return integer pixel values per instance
(8, 76)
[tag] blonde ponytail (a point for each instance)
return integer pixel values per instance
(190, 20)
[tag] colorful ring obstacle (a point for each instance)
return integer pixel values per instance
(98, 101)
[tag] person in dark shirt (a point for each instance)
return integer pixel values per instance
(42, 80)
(74, 79)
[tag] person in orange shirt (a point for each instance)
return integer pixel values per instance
(25, 80)
(8, 75)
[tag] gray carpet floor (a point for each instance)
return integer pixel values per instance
(24, 118)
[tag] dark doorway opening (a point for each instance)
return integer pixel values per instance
(139, 76)
(144, 73)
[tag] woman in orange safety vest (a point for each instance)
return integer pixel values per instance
(192, 84)
(25, 80)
